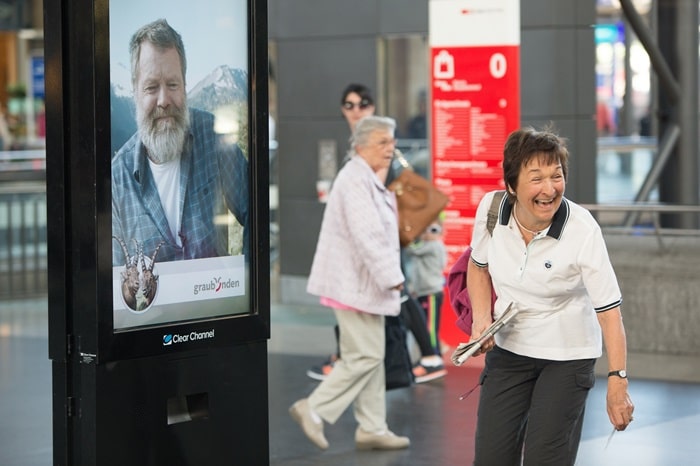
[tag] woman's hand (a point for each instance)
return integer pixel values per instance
(619, 403)
(479, 325)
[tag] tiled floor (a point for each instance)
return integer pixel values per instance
(667, 416)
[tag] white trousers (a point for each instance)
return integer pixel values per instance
(358, 376)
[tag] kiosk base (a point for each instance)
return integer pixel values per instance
(189, 409)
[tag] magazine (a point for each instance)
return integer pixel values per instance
(464, 350)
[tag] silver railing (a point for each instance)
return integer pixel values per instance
(23, 251)
(627, 199)
(651, 210)
(23, 256)
(22, 165)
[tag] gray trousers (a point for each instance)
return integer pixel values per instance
(531, 410)
(358, 377)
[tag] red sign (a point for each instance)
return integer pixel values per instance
(475, 104)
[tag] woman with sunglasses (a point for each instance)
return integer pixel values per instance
(356, 103)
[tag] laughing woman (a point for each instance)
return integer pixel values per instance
(547, 256)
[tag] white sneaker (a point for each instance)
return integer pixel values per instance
(301, 413)
(387, 440)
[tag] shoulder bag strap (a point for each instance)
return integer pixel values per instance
(492, 216)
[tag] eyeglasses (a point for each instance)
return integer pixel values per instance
(384, 142)
(363, 104)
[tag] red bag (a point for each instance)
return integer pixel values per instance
(459, 296)
(457, 278)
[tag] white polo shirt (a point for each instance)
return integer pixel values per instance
(557, 282)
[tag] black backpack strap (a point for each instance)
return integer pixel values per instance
(492, 216)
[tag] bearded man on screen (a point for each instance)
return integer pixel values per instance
(175, 175)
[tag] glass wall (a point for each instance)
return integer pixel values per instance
(403, 94)
(624, 107)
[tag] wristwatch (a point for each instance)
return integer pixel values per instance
(621, 373)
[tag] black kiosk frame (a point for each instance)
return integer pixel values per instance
(173, 376)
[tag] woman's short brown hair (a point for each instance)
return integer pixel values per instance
(527, 143)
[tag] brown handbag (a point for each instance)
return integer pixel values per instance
(419, 202)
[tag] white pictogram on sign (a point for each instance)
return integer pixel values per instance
(444, 65)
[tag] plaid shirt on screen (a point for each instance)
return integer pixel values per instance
(213, 178)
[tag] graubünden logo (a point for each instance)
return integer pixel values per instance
(215, 285)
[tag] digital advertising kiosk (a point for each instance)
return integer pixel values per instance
(157, 182)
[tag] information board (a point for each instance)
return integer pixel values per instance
(475, 104)
(475, 85)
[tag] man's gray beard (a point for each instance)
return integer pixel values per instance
(163, 145)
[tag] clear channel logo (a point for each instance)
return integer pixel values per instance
(170, 339)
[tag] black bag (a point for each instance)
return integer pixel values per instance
(397, 360)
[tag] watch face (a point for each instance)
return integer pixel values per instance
(623, 374)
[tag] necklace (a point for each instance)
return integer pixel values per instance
(515, 216)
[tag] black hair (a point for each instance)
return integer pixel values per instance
(360, 89)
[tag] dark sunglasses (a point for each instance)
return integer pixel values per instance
(363, 104)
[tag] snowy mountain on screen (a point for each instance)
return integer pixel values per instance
(223, 86)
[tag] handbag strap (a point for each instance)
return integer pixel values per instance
(402, 160)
